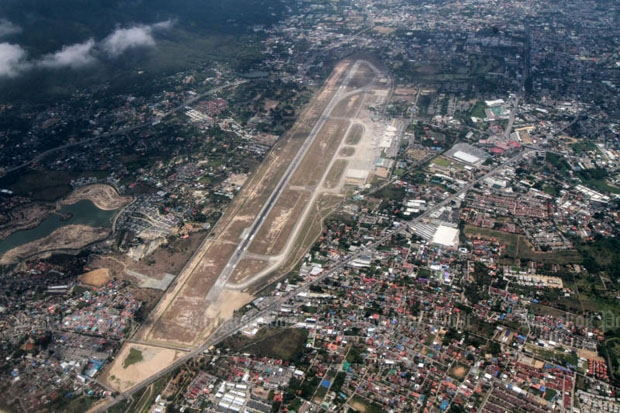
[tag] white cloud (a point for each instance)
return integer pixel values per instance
(12, 60)
(123, 39)
(7, 28)
(74, 56)
(164, 25)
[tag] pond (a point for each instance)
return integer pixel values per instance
(81, 213)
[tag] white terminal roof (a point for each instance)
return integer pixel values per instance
(495, 102)
(466, 157)
(446, 236)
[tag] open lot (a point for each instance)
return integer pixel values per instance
(96, 278)
(517, 246)
(128, 374)
(355, 134)
(183, 312)
(348, 107)
(320, 153)
(103, 196)
(335, 173)
(69, 237)
(272, 236)
(247, 267)
(346, 152)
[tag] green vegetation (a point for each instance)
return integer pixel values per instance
(441, 161)
(555, 355)
(355, 355)
(478, 110)
(134, 356)
(584, 146)
(320, 394)
(354, 135)
(550, 394)
(363, 405)
(282, 343)
(517, 246)
(338, 382)
(558, 162)
(610, 350)
(602, 254)
(41, 186)
(73, 405)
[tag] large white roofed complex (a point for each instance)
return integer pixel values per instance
(446, 236)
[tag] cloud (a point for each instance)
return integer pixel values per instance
(7, 28)
(74, 56)
(164, 25)
(12, 60)
(121, 40)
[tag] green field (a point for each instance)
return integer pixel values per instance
(517, 246)
(280, 343)
(362, 405)
(478, 110)
(441, 161)
(134, 356)
(287, 344)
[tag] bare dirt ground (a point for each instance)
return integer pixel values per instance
(320, 153)
(95, 278)
(69, 237)
(168, 260)
(246, 268)
(271, 104)
(335, 174)
(459, 372)
(355, 134)
(384, 29)
(591, 355)
(301, 241)
(279, 222)
(348, 107)
(229, 301)
(183, 311)
(103, 196)
(346, 151)
(152, 360)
